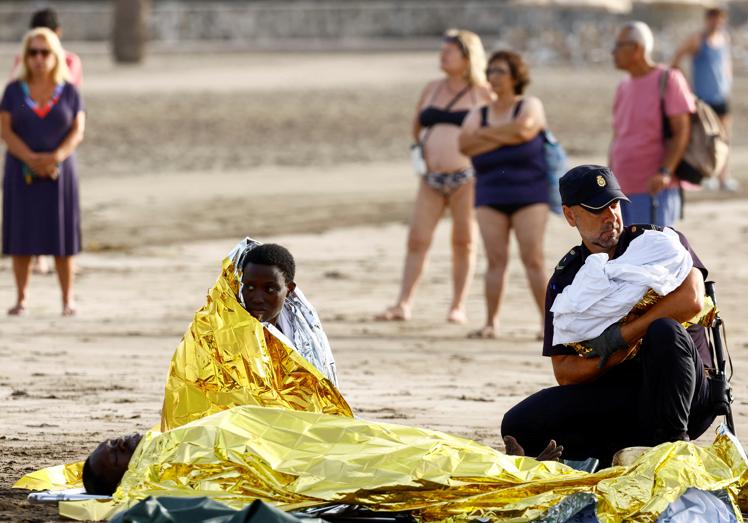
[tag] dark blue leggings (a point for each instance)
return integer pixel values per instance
(659, 396)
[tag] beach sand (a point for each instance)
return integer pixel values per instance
(189, 153)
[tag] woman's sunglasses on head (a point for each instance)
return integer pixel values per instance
(456, 40)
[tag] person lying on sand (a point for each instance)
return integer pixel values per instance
(105, 467)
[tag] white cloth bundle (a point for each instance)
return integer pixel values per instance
(605, 291)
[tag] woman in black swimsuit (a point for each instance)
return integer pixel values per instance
(443, 105)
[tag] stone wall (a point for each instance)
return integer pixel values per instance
(549, 31)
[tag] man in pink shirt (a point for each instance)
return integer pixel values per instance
(641, 158)
(48, 18)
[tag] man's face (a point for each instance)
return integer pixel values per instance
(601, 231)
(626, 52)
(111, 458)
(715, 23)
(264, 289)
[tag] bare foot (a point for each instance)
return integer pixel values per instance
(18, 310)
(552, 452)
(512, 446)
(457, 316)
(485, 333)
(394, 313)
(69, 310)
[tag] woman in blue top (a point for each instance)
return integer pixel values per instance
(506, 146)
(42, 122)
(448, 182)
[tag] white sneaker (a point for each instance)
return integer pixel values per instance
(710, 184)
(729, 185)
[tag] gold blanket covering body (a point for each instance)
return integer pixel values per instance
(294, 458)
(227, 358)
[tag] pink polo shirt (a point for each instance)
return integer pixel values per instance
(638, 147)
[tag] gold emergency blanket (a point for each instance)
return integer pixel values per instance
(227, 358)
(298, 459)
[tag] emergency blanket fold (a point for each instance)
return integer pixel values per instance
(605, 291)
(227, 358)
(298, 459)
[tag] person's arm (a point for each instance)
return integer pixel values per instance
(571, 369)
(470, 144)
(682, 304)
(687, 48)
(72, 140)
(416, 124)
(41, 163)
(529, 122)
(675, 148)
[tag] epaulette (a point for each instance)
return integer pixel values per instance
(568, 258)
(639, 228)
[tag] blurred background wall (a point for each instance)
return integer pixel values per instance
(549, 31)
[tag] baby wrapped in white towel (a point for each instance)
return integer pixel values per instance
(604, 291)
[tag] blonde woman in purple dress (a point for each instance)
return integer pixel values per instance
(41, 122)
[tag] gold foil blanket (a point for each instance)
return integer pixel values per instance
(298, 459)
(227, 358)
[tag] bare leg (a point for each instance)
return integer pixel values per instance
(725, 181)
(65, 273)
(494, 229)
(22, 273)
(463, 250)
(427, 211)
(529, 227)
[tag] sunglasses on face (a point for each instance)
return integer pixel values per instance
(44, 53)
(497, 70)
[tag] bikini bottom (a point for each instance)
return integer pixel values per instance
(510, 208)
(447, 183)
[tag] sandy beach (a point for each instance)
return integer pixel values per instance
(189, 153)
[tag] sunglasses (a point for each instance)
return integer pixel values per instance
(456, 40)
(497, 70)
(36, 52)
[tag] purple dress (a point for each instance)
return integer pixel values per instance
(40, 215)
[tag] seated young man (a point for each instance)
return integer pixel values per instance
(268, 293)
(605, 402)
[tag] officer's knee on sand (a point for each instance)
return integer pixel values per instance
(661, 336)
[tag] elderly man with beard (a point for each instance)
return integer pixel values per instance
(607, 402)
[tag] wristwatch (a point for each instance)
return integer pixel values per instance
(664, 171)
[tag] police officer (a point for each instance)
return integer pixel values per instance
(602, 403)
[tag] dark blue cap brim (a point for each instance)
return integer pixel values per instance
(601, 200)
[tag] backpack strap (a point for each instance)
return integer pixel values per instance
(666, 131)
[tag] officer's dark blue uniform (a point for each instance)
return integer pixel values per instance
(660, 395)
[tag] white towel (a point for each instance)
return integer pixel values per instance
(605, 291)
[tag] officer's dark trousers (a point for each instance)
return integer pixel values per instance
(659, 396)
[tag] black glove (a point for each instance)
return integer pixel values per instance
(609, 342)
